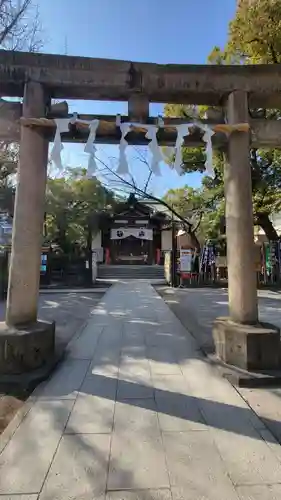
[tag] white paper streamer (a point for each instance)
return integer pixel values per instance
(207, 138)
(160, 121)
(62, 126)
(74, 119)
(151, 135)
(182, 131)
(91, 149)
(123, 167)
(154, 149)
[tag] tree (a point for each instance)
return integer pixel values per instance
(124, 185)
(20, 29)
(204, 207)
(254, 37)
(20, 25)
(71, 205)
(254, 33)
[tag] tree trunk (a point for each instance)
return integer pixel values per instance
(62, 239)
(194, 240)
(265, 223)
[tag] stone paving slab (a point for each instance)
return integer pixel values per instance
(84, 346)
(194, 462)
(202, 491)
(28, 456)
(91, 415)
(260, 492)
(65, 382)
(135, 412)
(137, 461)
(163, 494)
(247, 459)
(177, 415)
(266, 403)
(19, 497)
(79, 469)
(141, 389)
(141, 417)
(169, 385)
(100, 385)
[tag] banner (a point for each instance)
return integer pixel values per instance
(137, 232)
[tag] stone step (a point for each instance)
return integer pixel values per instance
(130, 272)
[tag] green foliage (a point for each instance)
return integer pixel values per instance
(255, 32)
(193, 158)
(204, 207)
(72, 204)
(8, 164)
(218, 56)
(254, 37)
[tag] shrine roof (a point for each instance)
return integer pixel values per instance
(135, 207)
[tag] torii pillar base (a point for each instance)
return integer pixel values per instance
(250, 347)
(26, 348)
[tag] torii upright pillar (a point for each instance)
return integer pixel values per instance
(242, 280)
(240, 339)
(25, 342)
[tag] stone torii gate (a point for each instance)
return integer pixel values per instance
(25, 342)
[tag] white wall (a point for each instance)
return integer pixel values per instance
(96, 242)
(166, 240)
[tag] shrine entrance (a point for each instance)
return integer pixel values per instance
(240, 340)
(135, 234)
(131, 250)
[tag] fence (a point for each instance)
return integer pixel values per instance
(69, 270)
(4, 267)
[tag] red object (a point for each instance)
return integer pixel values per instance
(187, 276)
(158, 256)
(107, 256)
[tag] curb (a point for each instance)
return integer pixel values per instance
(243, 378)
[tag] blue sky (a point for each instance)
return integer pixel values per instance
(181, 31)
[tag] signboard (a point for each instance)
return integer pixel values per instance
(186, 256)
(5, 232)
(221, 261)
(43, 267)
(168, 266)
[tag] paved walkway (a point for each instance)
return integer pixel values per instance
(135, 413)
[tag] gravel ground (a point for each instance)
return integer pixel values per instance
(197, 308)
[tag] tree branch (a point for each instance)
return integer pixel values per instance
(148, 181)
(149, 196)
(12, 17)
(195, 229)
(18, 27)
